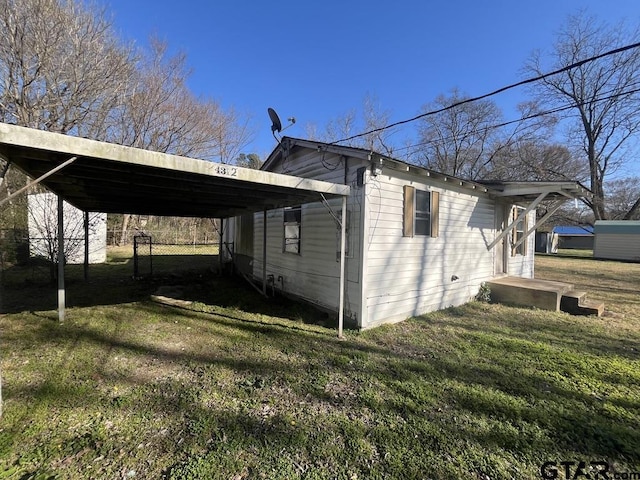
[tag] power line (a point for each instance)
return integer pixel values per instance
(490, 94)
(526, 117)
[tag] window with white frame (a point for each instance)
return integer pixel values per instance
(292, 228)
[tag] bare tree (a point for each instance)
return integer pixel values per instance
(603, 94)
(60, 65)
(622, 198)
(251, 160)
(534, 160)
(160, 113)
(459, 140)
(342, 126)
(61, 69)
(373, 117)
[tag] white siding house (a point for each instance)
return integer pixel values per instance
(617, 240)
(417, 240)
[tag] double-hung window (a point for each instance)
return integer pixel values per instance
(421, 212)
(292, 223)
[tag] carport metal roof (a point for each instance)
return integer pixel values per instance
(102, 177)
(112, 178)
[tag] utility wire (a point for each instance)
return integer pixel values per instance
(495, 92)
(526, 117)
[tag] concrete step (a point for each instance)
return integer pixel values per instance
(575, 302)
(571, 299)
(592, 307)
(542, 294)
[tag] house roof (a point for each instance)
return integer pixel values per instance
(573, 230)
(517, 192)
(112, 178)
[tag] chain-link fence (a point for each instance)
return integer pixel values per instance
(177, 236)
(14, 247)
(154, 254)
(152, 258)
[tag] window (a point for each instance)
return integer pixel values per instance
(292, 221)
(519, 231)
(421, 212)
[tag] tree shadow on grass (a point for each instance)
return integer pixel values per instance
(422, 400)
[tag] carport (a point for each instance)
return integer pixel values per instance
(103, 177)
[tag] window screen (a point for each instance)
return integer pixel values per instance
(292, 229)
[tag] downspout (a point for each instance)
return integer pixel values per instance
(346, 168)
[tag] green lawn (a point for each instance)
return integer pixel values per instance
(240, 387)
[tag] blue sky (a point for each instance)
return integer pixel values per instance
(318, 60)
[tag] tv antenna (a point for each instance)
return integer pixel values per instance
(276, 124)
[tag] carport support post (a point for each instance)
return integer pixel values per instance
(86, 246)
(264, 252)
(221, 246)
(343, 241)
(61, 291)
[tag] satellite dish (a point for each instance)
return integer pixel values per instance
(276, 124)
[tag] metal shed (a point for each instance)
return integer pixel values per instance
(574, 237)
(617, 240)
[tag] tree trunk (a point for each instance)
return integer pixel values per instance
(596, 181)
(125, 223)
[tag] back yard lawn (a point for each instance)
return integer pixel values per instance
(240, 387)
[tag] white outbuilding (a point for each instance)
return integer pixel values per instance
(617, 240)
(43, 241)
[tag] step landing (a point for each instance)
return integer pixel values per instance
(543, 294)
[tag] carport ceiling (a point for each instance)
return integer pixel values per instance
(115, 179)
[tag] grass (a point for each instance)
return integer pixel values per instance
(240, 387)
